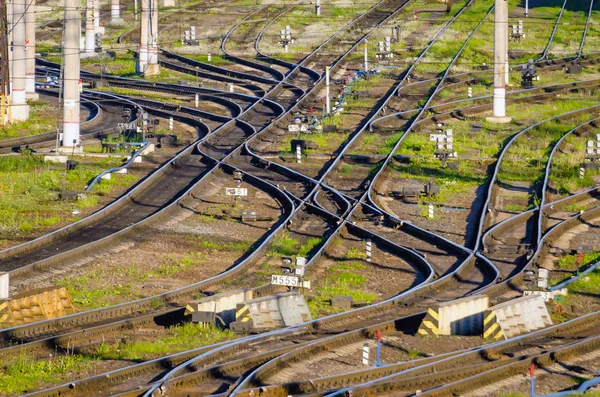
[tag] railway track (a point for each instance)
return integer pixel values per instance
(318, 194)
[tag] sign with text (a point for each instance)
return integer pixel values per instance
(288, 281)
(236, 191)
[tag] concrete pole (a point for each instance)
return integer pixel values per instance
(327, 104)
(115, 12)
(96, 13)
(19, 106)
(71, 73)
(153, 66)
(30, 51)
(89, 29)
(500, 60)
(318, 7)
(9, 18)
(142, 63)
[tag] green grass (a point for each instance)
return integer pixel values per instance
(22, 374)
(589, 284)
(340, 281)
(178, 339)
(43, 117)
(285, 245)
(355, 253)
(29, 191)
(238, 246)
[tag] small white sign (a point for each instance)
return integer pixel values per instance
(236, 191)
(303, 128)
(293, 128)
(126, 126)
(546, 294)
(435, 137)
(288, 281)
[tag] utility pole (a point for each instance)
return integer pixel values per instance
(4, 71)
(30, 50)
(148, 57)
(96, 14)
(71, 99)
(115, 13)
(90, 31)
(318, 7)
(500, 61)
(19, 106)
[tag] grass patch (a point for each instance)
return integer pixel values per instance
(340, 281)
(24, 373)
(42, 118)
(178, 339)
(30, 188)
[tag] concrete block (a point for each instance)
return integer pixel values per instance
(4, 285)
(36, 306)
(342, 302)
(121, 171)
(138, 159)
(458, 317)
(293, 310)
(149, 149)
(273, 311)
(516, 317)
(106, 176)
(56, 159)
(223, 305)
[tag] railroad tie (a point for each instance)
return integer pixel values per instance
(491, 326)
(430, 325)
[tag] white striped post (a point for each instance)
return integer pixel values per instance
(430, 213)
(230, 87)
(470, 92)
(581, 172)
(365, 354)
(299, 154)
(209, 57)
(369, 250)
(171, 123)
(197, 99)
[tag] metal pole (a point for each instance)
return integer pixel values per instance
(327, 104)
(378, 359)
(20, 108)
(318, 7)
(4, 78)
(71, 74)
(30, 50)
(366, 55)
(90, 31)
(135, 9)
(500, 55)
(526, 8)
(532, 378)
